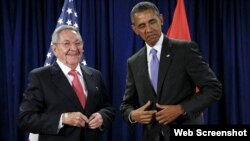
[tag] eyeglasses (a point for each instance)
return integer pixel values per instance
(68, 44)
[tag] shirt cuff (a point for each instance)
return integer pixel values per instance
(130, 120)
(60, 126)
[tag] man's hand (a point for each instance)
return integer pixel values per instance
(95, 121)
(168, 113)
(142, 116)
(76, 119)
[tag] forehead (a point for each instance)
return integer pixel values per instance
(68, 34)
(144, 16)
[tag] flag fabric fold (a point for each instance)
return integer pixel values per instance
(179, 27)
(68, 17)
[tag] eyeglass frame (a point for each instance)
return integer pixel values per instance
(68, 44)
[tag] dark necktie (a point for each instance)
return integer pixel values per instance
(78, 88)
(154, 66)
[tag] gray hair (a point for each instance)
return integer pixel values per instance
(58, 30)
(143, 6)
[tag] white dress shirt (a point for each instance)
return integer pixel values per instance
(66, 71)
(157, 47)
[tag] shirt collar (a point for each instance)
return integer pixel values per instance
(66, 69)
(157, 46)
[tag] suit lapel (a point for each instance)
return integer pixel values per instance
(64, 86)
(147, 85)
(90, 86)
(165, 62)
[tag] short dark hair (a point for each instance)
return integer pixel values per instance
(143, 6)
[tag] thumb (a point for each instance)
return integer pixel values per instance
(145, 106)
(160, 106)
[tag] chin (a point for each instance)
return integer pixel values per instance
(73, 62)
(152, 41)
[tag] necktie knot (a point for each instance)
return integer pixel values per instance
(153, 52)
(73, 73)
(77, 86)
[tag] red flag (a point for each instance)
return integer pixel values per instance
(179, 28)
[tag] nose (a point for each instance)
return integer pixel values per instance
(73, 46)
(148, 28)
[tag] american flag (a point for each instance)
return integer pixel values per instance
(67, 17)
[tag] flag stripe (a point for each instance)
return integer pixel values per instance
(68, 17)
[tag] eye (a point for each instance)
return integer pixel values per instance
(66, 44)
(152, 21)
(78, 44)
(141, 26)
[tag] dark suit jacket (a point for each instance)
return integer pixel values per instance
(49, 94)
(181, 69)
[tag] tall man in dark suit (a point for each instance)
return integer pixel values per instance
(51, 106)
(161, 79)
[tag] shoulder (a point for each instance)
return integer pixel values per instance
(41, 70)
(90, 70)
(138, 54)
(41, 73)
(46, 71)
(181, 44)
